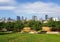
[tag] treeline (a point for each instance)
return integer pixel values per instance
(55, 25)
(19, 25)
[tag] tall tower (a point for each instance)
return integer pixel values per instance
(18, 17)
(34, 17)
(46, 17)
(22, 17)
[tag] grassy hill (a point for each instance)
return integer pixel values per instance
(17, 37)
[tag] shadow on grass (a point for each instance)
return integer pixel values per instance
(4, 33)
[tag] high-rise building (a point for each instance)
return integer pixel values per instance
(34, 17)
(10, 20)
(18, 17)
(25, 18)
(46, 17)
(22, 17)
(3, 19)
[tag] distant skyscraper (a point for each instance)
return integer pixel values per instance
(18, 17)
(46, 17)
(25, 18)
(22, 17)
(9, 18)
(4, 19)
(34, 18)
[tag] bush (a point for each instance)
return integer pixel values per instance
(43, 32)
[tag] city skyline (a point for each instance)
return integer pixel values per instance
(32, 18)
(29, 8)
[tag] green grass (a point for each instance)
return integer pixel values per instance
(17, 37)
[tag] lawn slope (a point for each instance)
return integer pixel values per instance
(17, 37)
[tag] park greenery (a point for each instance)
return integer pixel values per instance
(17, 26)
(17, 37)
(55, 25)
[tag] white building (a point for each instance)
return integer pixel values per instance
(55, 19)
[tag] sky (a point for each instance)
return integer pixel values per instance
(29, 8)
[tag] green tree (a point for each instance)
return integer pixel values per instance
(2, 25)
(35, 25)
(58, 25)
(10, 26)
(18, 26)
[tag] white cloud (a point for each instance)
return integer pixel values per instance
(37, 8)
(7, 7)
(4, 0)
(31, 8)
(10, 4)
(7, 1)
